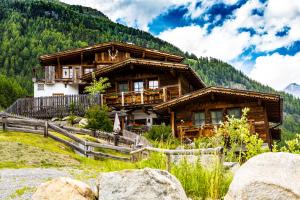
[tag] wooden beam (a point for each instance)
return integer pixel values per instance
(172, 123)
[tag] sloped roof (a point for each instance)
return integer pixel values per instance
(185, 69)
(273, 101)
(100, 46)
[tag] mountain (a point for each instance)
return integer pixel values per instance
(31, 28)
(293, 89)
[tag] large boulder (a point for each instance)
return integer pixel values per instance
(268, 176)
(63, 189)
(146, 184)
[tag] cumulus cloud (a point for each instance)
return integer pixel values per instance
(277, 70)
(225, 45)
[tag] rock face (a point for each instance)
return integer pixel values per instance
(146, 184)
(268, 176)
(63, 189)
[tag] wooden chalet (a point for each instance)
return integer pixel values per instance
(150, 87)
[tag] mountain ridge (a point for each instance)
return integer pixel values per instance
(293, 89)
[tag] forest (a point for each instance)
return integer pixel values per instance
(32, 28)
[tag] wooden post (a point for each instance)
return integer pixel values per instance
(165, 94)
(142, 96)
(123, 101)
(172, 123)
(46, 129)
(179, 86)
(168, 162)
(101, 96)
(4, 123)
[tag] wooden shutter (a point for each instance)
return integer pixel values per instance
(50, 74)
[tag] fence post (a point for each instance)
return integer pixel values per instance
(46, 129)
(4, 124)
(168, 163)
(123, 101)
(164, 94)
(101, 97)
(142, 96)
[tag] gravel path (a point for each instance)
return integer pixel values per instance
(21, 183)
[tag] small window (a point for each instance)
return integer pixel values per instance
(235, 112)
(216, 116)
(138, 86)
(67, 72)
(123, 87)
(153, 84)
(88, 70)
(199, 118)
(40, 86)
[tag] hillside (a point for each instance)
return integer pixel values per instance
(29, 29)
(293, 89)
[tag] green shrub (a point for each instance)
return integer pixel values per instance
(98, 119)
(159, 132)
(290, 146)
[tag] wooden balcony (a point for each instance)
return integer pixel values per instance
(206, 130)
(144, 97)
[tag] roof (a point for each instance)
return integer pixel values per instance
(100, 46)
(273, 101)
(185, 69)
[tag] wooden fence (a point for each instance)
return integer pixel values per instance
(126, 144)
(78, 144)
(53, 106)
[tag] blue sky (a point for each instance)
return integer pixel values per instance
(259, 37)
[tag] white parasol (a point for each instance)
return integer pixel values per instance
(117, 124)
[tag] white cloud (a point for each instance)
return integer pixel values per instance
(277, 70)
(225, 45)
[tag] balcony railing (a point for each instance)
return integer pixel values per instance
(146, 97)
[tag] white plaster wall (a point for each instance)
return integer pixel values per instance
(58, 87)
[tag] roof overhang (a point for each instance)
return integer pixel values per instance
(151, 64)
(94, 48)
(273, 102)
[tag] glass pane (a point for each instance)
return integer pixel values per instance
(235, 112)
(138, 86)
(199, 118)
(216, 116)
(153, 84)
(123, 87)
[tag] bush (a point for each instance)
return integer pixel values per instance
(98, 119)
(160, 132)
(290, 146)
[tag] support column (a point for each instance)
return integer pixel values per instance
(172, 123)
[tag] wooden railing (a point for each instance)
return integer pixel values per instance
(53, 106)
(147, 96)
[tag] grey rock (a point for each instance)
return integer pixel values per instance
(268, 176)
(83, 122)
(146, 184)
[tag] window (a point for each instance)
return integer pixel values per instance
(236, 112)
(40, 86)
(216, 116)
(123, 87)
(88, 70)
(153, 84)
(138, 86)
(199, 118)
(67, 72)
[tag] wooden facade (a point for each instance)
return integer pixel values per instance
(149, 85)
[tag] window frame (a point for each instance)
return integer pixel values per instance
(69, 71)
(235, 108)
(203, 119)
(153, 86)
(217, 121)
(123, 83)
(138, 89)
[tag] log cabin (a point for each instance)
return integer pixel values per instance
(152, 87)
